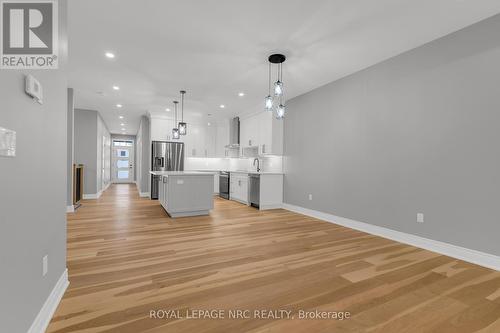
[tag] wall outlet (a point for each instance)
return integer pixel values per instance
(45, 264)
(420, 217)
(310, 197)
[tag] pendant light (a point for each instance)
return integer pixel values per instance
(182, 125)
(175, 131)
(276, 102)
(269, 99)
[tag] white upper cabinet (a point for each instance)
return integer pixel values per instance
(263, 133)
(210, 141)
(249, 132)
(194, 140)
(161, 129)
(260, 134)
(270, 134)
(222, 139)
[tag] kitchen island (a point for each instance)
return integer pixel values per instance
(185, 193)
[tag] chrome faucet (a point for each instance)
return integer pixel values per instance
(258, 164)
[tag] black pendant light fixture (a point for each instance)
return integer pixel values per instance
(175, 131)
(275, 102)
(182, 125)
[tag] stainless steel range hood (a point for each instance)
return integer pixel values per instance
(234, 133)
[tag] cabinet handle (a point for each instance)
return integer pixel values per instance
(250, 142)
(264, 148)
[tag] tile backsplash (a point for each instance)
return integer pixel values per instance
(267, 163)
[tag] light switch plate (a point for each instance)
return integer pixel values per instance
(420, 218)
(45, 265)
(180, 181)
(7, 142)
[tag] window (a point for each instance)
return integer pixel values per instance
(118, 143)
(122, 153)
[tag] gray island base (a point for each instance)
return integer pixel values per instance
(185, 193)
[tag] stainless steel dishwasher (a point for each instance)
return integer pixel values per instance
(254, 190)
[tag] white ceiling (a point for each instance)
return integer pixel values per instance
(217, 48)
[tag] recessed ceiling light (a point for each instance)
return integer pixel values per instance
(222, 106)
(167, 109)
(116, 88)
(122, 124)
(123, 129)
(121, 117)
(110, 55)
(241, 94)
(119, 105)
(208, 124)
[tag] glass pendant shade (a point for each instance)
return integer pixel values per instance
(280, 112)
(182, 128)
(269, 103)
(175, 134)
(278, 88)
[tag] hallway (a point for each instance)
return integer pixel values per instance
(127, 258)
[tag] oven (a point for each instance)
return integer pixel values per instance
(224, 184)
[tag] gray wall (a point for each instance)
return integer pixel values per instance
(143, 148)
(85, 148)
(103, 152)
(416, 133)
(69, 154)
(33, 191)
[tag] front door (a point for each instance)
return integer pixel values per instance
(122, 161)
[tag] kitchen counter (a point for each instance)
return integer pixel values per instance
(258, 173)
(244, 172)
(185, 193)
(181, 173)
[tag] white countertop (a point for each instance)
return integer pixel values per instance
(245, 172)
(258, 173)
(181, 173)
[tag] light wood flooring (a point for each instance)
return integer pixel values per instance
(126, 258)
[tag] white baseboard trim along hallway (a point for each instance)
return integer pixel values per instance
(70, 209)
(43, 318)
(144, 194)
(96, 195)
(454, 251)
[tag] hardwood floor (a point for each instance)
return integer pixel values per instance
(126, 258)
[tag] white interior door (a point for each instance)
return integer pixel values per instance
(122, 161)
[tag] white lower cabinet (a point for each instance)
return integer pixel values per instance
(216, 183)
(238, 187)
(271, 191)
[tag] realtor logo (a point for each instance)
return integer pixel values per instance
(29, 34)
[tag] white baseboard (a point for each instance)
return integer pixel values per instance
(43, 318)
(96, 195)
(270, 206)
(454, 251)
(70, 209)
(144, 194)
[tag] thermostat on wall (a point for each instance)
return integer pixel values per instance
(34, 88)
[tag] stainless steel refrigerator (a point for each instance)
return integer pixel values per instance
(165, 156)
